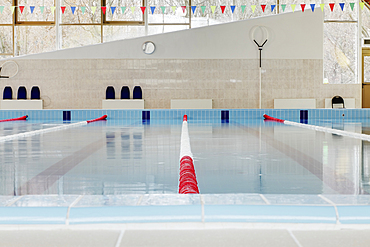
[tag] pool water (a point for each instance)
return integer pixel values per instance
(117, 157)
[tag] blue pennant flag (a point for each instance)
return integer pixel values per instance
(32, 9)
(312, 7)
(73, 9)
(341, 6)
(112, 9)
(193, 8)
(272, 7)
(152, 8)
(232, 8)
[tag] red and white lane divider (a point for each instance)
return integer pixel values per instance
(14, 119)
(188, 181)
(322, 129)
(43, 131)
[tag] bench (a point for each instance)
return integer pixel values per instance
(21, 104)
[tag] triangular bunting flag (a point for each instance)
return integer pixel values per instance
(352, 5)
(103, 9)
(173, 9)
(123, 9)
(312, 7)
(83, 10)
(183, 9)
(341, 6)
(243, 8)
(322, 5)
(12, 8)
(193, 8)
(73, 9)
(52, 8)
(63, 8)
(293, 7)
(143, 9)
(253, 8)
(112, 9)
(203, 9)
(223, 8)
(283, 7)
(263, 6)
(232, 7)
(272, 7)
(42, 9)
(1, 9)
(163, 8)
(21, 8)
(331, 6)
(213, 8)
(152, 8)
(362, 5)
(132, 9)
(303, 6)
(93, 9)
(32, 8)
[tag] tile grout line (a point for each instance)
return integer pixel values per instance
(139, 201)
(333, 204)
(294, 238)
(72, 205)
(11, 203)
(202, 204)
(265, 199)
(119, 240)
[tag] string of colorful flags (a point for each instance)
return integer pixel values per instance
(112, 9)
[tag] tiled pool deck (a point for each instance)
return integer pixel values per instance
(162, 208)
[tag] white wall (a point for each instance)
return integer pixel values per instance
(291, 36)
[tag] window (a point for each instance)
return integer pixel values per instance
(8, 93)
(35, 93)
(138, 94)
(110, 93)
(22, 93)
(125, 92)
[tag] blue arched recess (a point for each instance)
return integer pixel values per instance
(110, 93)
(125, 92)
(138, 94)
(8, 93)
(35, 93)
(22, 93)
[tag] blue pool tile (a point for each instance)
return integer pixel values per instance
(270, 213)
(233, 199)
(287, 199)
(132, 214)
(169, 199)
(349, 199)
(354, 214)
(45, 201)
(108, 200)
(33, 215)
(6, 200)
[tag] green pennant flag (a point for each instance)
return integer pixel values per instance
(173, 9)
(253, 8)
(203, 8)
(213, 8)
(352, 5)
(93, 9)
(42, 9)
(123, 9)
(322, 5)
(83, 10)
(12, 8)
(362, 5)
(132, 9)
(293, 7)
(1, 9)
(163, 8)
(243, 8)
(283, 7)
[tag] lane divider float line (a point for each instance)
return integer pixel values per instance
(188, 181)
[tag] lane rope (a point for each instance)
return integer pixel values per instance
(188, 181)
(43, 131)
(15, 119)
(322, 129)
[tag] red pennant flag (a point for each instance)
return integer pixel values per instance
(63, 8)
(303, 6)
(223, 9)
(183, 9)
(103, 9)
(21, 8)
(331, 6)
(143, 9)
(263, 6)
